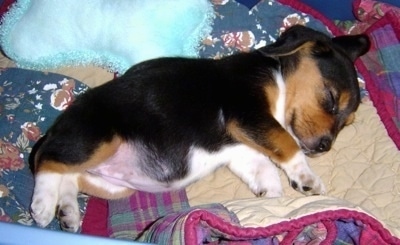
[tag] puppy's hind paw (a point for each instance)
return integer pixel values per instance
(268, 194)
(273, 190)
(45, 198)
(43, 210)
(69, 217)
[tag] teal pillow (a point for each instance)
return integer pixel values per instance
(44, 34)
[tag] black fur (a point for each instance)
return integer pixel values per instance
(167, 105)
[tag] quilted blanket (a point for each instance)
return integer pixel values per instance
(361, 172)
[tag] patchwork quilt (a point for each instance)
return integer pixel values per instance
(361, 172)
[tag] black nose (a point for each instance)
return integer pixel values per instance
(324, 144)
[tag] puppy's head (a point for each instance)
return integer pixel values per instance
(322, 91)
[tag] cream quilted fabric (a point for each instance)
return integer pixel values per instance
(258, 212)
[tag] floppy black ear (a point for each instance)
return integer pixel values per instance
(354, 46)
(293, 39)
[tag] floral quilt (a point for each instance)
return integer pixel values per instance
(29, 103)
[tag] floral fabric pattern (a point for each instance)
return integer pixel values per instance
(238, 29)
(29, 103)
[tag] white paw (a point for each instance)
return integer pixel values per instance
(54, 191)
(69, 217)
(45, 198)
(43, 208)
(308, 184)
(268, 192)
(267, 181)
(68, 207)
(301, 177)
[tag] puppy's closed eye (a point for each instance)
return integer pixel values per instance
(333, 103)
(330, 103)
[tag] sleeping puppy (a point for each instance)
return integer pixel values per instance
(168, 122)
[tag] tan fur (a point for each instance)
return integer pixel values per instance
(52, 166)
(271, 93)
(279, 145)
(88, 187)
(344, 99)
(103, 152)
(307, 46)
(311, 119)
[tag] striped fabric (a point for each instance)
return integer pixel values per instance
(129, 218)
(382, 63)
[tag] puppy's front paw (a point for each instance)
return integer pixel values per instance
(308, 185)
(301, 177)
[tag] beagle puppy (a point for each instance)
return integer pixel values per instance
(168, 122)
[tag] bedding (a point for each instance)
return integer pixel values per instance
(381, 22)
(29, 102)
(361, 172)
